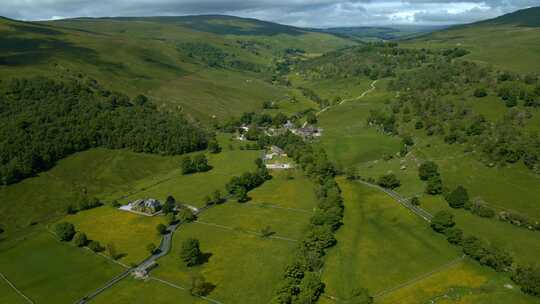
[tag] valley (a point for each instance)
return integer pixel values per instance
(199, 114)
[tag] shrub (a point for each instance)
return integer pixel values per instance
(95, 246)
(161, 229)
(480, 92)
(80, 239)
(64, 231)
(442, 220)
(482, 210)
(428, 170)
(454, 235)
(389, 181)
(151, 248)
(528, 278)
(458, 197)
(185, 215)
(434, 185)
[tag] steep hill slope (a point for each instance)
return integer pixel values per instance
(509, 42)
(204, 66)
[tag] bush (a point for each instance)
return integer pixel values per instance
(428, 170)
(442, 220)
(528, 278)
(480, 92)
(80, 239)
(434, 185)
(95, 246)
(185, 215)
(152, 248)
(482, 210)
(389, 181)
(454, 235)
(64, 231)
(161, 229)
(458, 197)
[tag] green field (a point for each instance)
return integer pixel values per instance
(381, 244)
(48, 271)
(347, 138)
(237, 252)
(128, 232)
(503, 46)
(465, 282)
(132, 291)
(193, 188)
(102, 173)
(8, 295)
(117, 175)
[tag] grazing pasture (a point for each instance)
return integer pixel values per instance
(48, 271)
(230, 237)
(381, 244)
(129, 233)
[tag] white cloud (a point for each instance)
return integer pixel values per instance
(313, 13)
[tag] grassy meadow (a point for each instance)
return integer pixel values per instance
(463, 283)
(506, 47)
(48, 271)
(228, 234)
(132, 291)
(381, 244)
(128, 232)
(347, 139)
(102, 173)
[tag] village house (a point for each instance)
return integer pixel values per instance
(148, 206)
(308, 132)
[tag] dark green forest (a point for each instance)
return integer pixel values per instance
(43, 121)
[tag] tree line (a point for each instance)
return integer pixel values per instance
(301, 282)
(45, 120)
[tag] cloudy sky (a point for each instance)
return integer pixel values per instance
(311, 13)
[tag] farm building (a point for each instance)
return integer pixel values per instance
(148, 206)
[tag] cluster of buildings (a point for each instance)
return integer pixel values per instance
(307, 132)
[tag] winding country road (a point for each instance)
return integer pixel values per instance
(163, 250)
(372, 87)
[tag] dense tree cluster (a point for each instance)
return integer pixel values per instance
(474, 247)
(215, 57)
(199, 163)
(301, 281)
(372, 60)
(239, 186)
(43, 121)
(427, 96)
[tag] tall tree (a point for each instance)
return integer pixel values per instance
(190, 252)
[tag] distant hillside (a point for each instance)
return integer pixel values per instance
(368, 33)
(529, 17)
(221, 24)
(203, 66)
(511, 41)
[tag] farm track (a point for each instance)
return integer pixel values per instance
(402, 201)
(27, 299)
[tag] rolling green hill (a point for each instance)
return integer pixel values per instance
(510, 42)
(204, 66)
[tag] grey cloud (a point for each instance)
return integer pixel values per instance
(312, 13)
